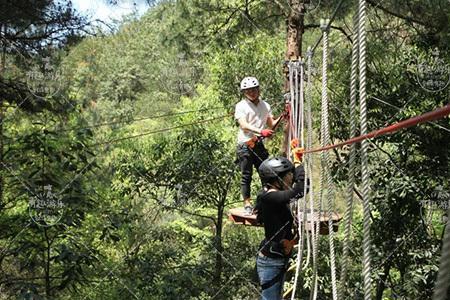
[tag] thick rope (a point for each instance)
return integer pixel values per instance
(326, 156)
(302, 143)
(319, 215)
(301, 224)
(309, 160)
(352, 161)
(302, 104)
(364, 152)
(297, 100)
(430, 116)
(443, 280)
(292, 110)
(308, 244)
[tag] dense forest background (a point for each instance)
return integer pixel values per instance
(117, 146)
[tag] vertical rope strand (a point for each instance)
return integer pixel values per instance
(326, 155)
(302, 143)
(302, 105)
(443, 280)
(292, 116)
(301, 219)
(309, 160)
(364, 152)
(297, 121)
(352, 159)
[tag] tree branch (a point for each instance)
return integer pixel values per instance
(170, 207)
(392, 13)
(342, 30)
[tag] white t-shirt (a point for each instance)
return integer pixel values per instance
(255, 115)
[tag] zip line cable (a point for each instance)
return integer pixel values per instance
(169, 129)
(387, 104)
(161, 130)
(126, 121)
(426, 117)
(333, 16)
(139, 119)
(400, 109)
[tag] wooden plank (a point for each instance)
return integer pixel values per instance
(323, 217)
(240, 217)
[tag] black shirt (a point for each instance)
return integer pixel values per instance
(274, 210)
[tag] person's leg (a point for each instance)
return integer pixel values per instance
(268, 269)
(260, 154)
(246, 166)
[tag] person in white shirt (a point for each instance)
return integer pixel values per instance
(253, 115)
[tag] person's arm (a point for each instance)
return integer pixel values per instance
(281, 197)
(271, 122)
(245, 126)
(297, 191)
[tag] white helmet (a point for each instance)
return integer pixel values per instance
(248, 83)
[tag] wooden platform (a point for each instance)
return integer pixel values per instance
(323, 218)
(239, 217)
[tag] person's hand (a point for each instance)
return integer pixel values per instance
(266, 133)
(287, 246)
(299, 174)
(298, 154)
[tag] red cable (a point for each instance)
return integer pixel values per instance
(426, 117)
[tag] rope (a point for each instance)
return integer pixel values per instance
(161, 130)
(308, 255)
(298, 116)
(352, 164)
(364, 151)
(138, 119)
(424, 118)
(309, 164)
(442, 282)
(333, 16)
(302, 104)
(325, 155)
(292, 108)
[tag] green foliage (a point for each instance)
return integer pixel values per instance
(145, 213)
(259, 56)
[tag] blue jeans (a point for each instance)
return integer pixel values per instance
(267, 269)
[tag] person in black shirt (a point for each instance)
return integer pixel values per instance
(278, 175)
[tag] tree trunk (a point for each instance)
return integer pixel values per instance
(381, 283)
(2, 71)
(294, 37)
(218, 242)
(295, 29)
(47, 266)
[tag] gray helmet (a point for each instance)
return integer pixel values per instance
(274, 168)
